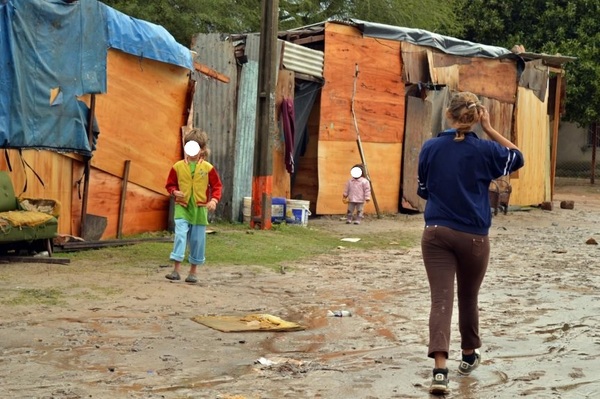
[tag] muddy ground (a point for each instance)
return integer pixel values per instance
(121, 336)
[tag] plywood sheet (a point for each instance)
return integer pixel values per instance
(501, 117)
(442, 71)
(531, 186)
(378, 89)
(335, 161)
(487, 77)
(418, 130)
(145, 210)
(414, 62)
(140, 118)
(495, 79)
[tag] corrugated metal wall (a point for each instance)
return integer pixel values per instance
(246, 128)
(227, 111)
(215, 104)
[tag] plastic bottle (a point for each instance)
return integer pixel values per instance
(339, 313)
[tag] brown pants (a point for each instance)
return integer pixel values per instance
(448, 253)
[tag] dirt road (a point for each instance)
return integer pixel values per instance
(131, 336)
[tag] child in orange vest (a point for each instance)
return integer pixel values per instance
(196, 187)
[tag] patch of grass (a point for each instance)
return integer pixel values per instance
(236, 244)
(48, 296)
(239, 246)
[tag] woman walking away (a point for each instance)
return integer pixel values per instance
(455, 171)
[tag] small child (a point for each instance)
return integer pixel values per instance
(196, 187)
(356, 193)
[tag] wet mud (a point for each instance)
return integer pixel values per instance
(540, 312)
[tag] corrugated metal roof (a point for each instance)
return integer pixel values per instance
(303, 59)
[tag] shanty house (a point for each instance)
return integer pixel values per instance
(370, 93)
(92, 105)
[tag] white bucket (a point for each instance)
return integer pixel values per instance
(297, 211)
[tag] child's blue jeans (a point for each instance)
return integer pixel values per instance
(195, 235)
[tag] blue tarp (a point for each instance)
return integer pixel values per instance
(51, 52)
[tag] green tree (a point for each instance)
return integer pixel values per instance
(570, 28)
(186, 18)
(433, 15)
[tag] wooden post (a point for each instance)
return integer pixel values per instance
(87, 166)
(123, 197)
(263, 158)
(555, 133)
(359, 143)
(594, 128)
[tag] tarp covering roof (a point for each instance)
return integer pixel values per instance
(447, 44)
(420, 37)
(53, 51)
(144, 39)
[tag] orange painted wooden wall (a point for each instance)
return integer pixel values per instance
(363, 95)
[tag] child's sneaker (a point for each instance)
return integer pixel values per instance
(191, 278)
(357, 222)
(465, 368)
(348, 221)
(439, 383)
(173, 276)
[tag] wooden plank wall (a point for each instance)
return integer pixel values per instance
(418, 130)
(55, 171)
(281, 177)
(145, 210)
(379, 109)
(531, 184)
(415, 68)
(486, 77)
(140, 118)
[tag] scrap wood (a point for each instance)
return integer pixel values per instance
(33, 259)
(204, 69)
(78, 245)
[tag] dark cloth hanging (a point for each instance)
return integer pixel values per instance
(288, 121)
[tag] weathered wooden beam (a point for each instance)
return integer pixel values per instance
(79, 245)
(310, 39)
(33, 259)
(210, 72)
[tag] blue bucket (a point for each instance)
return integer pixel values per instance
(277, 209)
